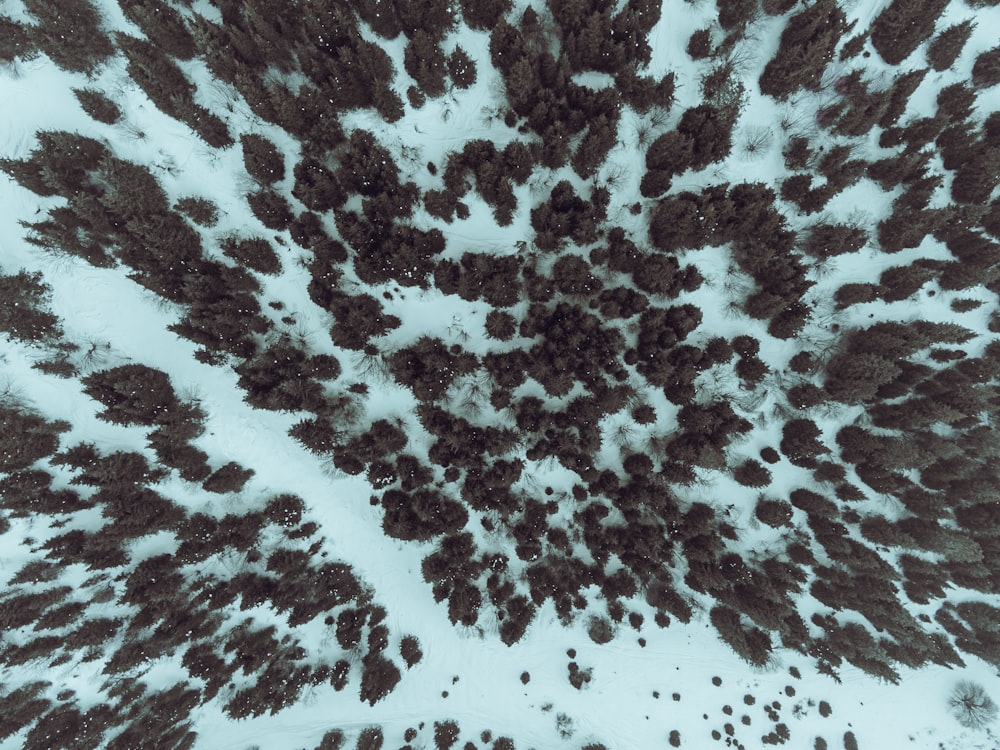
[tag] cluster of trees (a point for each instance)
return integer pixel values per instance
(540, 90)
(282, 377)
(876, 356)
(174, 611)
(323, 44)
(385, 247)
(68, 33)
(574, 346)
(113, 203)
(152, 68)
(595, 38)
(574, 320)
(901, 27)
(25, 317)
(651, 272)
(495, 174)
(428, 367)
(481, 276)
(703, 136)
(565, 215)
(746, 216)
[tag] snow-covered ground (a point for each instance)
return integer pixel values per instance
(646, 682)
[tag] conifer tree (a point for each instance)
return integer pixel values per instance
(986, 69)
(69, 33)
(902, 25)
(945, 48)
(262, 159)
(805, 47)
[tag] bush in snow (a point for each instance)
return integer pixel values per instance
(971, 706)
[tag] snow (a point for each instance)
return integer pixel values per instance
(618, 707)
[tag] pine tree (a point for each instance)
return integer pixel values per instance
(425, 62)
(132, 394)
(98, 106)
(69, 33)
(902, 25)
(945, 48)
(262, 159)
(162, 25)
(805, 47)
(271, 208)
(461, 68)
(986, 69)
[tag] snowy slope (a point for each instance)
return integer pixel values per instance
(467, 674)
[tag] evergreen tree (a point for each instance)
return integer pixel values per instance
(986, 69)
(132, 394)
(23, 313)
(69, 33)
(805, 47)
(15, 41)
(98, 106)
(902, 25)
(262, 159)
(945, 48)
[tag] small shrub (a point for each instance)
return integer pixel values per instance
(600, 630)
(971, 706)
